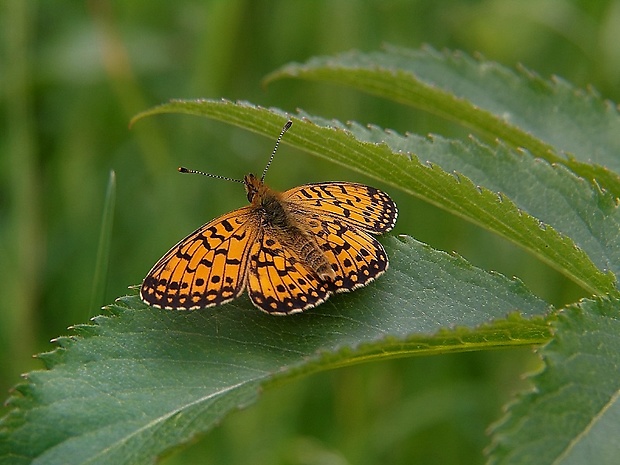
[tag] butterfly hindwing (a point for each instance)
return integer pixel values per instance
(279, 282)
(356, 257)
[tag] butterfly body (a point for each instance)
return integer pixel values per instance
(278, 218)
(291, 250)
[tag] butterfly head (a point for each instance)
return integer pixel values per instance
(252, 186)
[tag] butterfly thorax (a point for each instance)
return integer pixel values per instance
(269, 203)
(276, 217)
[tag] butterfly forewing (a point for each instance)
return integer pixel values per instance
(357, 205)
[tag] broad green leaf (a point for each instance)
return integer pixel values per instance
(548, 118)
(142, 380)
(456, 194)
(572, 414)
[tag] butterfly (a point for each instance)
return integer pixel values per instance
(291, 250)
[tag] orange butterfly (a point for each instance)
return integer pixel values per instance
(291, 250)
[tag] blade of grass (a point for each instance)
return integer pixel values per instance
(103, 249)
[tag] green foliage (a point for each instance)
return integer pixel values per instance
(548, 118)
(572, 417)
(141, 381)
(395, 161)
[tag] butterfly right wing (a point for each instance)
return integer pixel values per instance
(356, 205)
(207, 268)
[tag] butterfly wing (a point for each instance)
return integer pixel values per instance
(356, 257)
(212, 265)
(337, 217)
(208, 267)
(279, 282)
(356, 205)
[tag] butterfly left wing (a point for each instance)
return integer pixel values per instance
(362, 207)
(206, 268)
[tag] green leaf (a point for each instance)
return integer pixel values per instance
(548, 118)
(571, 415)
(142, 380)
(456, 194)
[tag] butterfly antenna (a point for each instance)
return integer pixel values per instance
(182, 169)
(288, 124)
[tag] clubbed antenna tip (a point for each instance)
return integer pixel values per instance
(286, 127)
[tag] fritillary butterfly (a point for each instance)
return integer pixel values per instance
(291, 249)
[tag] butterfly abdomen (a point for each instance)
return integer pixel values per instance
(310, 254)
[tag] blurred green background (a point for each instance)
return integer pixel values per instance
(74, 73)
